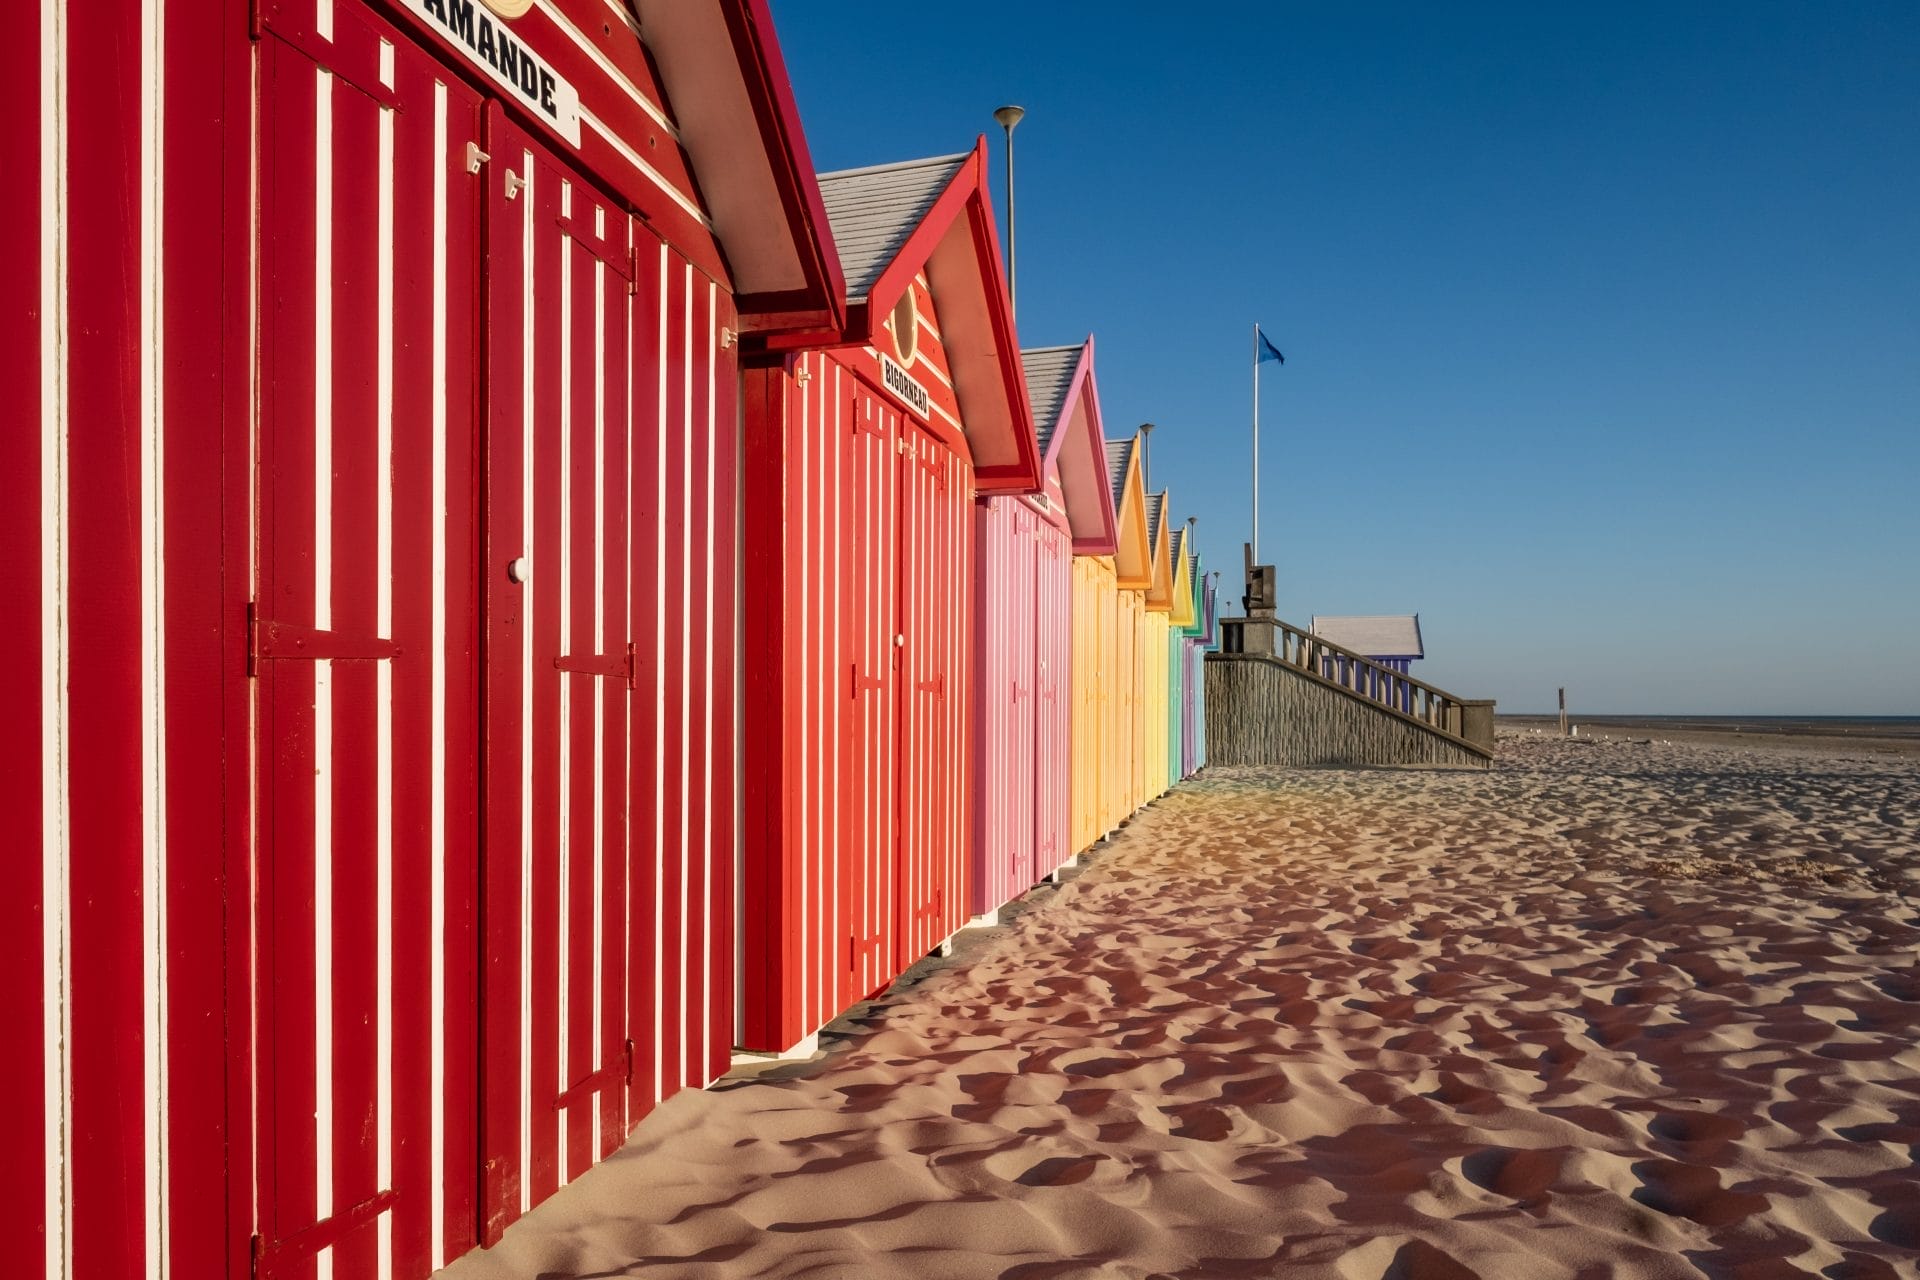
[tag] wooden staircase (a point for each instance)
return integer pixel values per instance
(1467, 722)
(1278, 694)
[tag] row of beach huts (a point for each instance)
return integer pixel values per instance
(518, 589)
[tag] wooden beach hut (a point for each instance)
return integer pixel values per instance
(1181, 617)
(1392, 641)
(1109, 602)
(1202, 639)
(372, 777)
(865, 449)
(1025, 702)
(1154, 658)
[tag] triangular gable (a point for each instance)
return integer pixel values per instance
(1133, 550)
(890, 223)
(1160, 593)
(721, 70)
(1180, 605)
(1066, 419)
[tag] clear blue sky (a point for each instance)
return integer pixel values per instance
(1602, 324)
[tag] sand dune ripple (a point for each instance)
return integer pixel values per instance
(1607, 1011)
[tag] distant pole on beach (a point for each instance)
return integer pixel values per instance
(1563, 712)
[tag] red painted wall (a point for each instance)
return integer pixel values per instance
(857, 543)
(250, 964)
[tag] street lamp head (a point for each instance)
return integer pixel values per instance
(1146, 428)
(1009, 116)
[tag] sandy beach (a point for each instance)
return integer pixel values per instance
(1610, 1010)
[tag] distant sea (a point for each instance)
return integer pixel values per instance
(1785, 726)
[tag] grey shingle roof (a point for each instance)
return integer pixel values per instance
(1374, 636)
(1118, 452)
(872, 211)
(1154, 502)
(1049, 377)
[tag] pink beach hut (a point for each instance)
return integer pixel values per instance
(1023, 711)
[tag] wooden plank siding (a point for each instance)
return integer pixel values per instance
(1022, 701)
(374, 513)
(856, 735)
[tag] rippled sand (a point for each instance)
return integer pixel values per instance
(1609, 1010)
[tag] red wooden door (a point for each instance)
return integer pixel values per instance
(364, 646)
(558, 679)
(866, 866)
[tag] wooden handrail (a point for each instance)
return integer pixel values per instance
(1373, 681)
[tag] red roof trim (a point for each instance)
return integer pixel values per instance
(750, 23)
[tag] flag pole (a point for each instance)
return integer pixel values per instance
(1256, 442)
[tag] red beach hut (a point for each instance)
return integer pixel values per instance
(370, 500)
(862, 463)
(1023, 574)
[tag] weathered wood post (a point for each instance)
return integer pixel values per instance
(1563, 712)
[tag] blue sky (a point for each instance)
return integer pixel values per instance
(1602, 324)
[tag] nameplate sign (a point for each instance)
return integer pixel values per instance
(491, 45)
(901, 383)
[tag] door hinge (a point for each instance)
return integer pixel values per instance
(619, 666)
(268, 640)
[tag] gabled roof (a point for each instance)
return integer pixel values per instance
(1395, 635)
(1202, 597)
(873, 210)
(721, 69)
(1180, 581)
(893, 221)
(1066, 419)
(1133, 550)
(1119, 457)
(1160, 594)
(1210, 623)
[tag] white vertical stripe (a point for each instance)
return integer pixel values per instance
(55, 947)
(563, 995)
(708, 576)
(527, 292)
(153, 658)
(685, 614)
(602, 643)
(630, 313)
(383, 685)
(808, 838)
(737, 673)
(323, 669)
(658, 640)
(437, 658)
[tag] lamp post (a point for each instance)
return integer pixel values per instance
(1009, 116)
(1146, 455)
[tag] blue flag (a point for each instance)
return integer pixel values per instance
(1269, 352)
